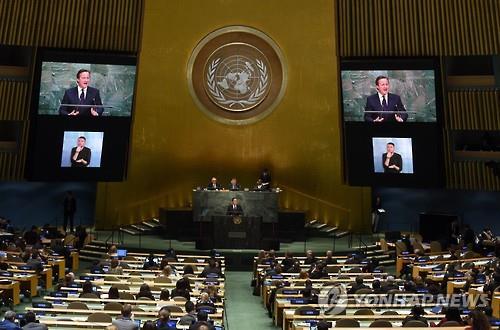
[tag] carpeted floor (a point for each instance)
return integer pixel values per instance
(244, 310)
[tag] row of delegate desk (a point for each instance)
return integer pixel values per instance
(285, 305)
(436, 273)
(19, 278)
(57, 313)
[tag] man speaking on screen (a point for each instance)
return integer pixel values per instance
(384, 106)
(392, 161)
(80, 155)
(78, 101)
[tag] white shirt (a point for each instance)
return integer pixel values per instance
(80, 92)
(381, 97)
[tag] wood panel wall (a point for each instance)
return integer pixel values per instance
(419, 27)
(85, 24)
(470, 110)
(14, 105)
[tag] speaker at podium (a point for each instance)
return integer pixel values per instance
(236, 232)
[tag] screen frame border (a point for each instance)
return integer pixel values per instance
(394, 63)
(76, 55)
(62, 55)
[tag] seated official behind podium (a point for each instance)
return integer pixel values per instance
(234, 185)
(384, 101)
(214, 185)
(82, 94)
(234, 208)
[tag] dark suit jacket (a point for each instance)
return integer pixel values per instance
(234, 188)
(231, 211)
(265, 177)
(395, 160)
(356, 287)
(393, 104)
(84, 154)
(70, 202)
(211, 187)
(71, 97)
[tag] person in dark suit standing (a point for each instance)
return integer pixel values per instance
(82, 94)
(80, 155)
(265, 179)
(392, 161)
(234, 208)
(383, 101)
(234, 185)
(214, 185)
(69, 210)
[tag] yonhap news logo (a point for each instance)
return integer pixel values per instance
(334, 300)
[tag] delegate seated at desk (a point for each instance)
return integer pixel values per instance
(234, 208)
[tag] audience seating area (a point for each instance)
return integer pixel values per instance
(426, 287)
(138, 281)
(352, 291)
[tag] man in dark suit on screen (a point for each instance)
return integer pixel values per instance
(80, 155)
(392, 161)
(234, 208)
(80, 97)
(388, 106)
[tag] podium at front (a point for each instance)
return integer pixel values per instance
(236, 232)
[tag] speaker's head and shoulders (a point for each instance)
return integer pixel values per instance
(81, 94)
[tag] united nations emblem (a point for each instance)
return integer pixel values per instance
(237, 75)
(237, 220)
(237, 82)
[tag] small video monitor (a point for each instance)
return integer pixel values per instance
(437, 309)
(121, 253)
